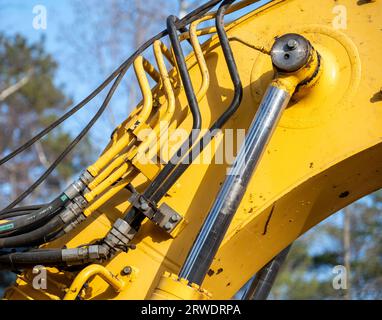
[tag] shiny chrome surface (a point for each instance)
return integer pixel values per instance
(230, 195)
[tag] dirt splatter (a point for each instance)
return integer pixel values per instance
(268, 220)
(344, 194)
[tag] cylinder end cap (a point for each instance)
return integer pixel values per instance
(290, 52)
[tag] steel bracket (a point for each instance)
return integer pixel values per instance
(163, 216)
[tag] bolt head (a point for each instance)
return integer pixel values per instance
(175, 218)
(144, 206)
(292, 44)
(127, 270)
(168, 226)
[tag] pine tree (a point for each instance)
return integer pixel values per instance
(30, 99)
(353, 243)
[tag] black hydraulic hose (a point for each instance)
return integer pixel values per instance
(60, 201)
(30, 227)
(235, 103)
(23, 227)
(24, 212)
(264, 280)
(23, 208)
(192, 103)
(19, 211)
(196, 14)
(32, 219)
(33, 238)
(45, 257)
(156, 191)
(15, 215)
(70, 147)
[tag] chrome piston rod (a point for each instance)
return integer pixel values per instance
(262, 283)
(231, 193)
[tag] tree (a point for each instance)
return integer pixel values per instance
(30, 100)
(353, 243)
(107, 32)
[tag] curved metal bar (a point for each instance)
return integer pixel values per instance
(193, 105)
(234, 105)
(158, 50)
(86, 274)
(201, 60)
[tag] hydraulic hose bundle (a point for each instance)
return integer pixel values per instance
(27, 227)
(22, 229)
(168, 176)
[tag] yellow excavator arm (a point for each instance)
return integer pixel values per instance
(292, 88)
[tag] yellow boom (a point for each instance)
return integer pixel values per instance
(325, 153)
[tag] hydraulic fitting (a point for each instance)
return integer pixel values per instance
(73, 209)
(84, 255)
(74, 223)
(79, 185)
(119, 237)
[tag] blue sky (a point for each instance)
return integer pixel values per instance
(16, 16)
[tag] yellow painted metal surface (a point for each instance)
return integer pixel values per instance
(171, 287)
(325, 153)
(90, 271)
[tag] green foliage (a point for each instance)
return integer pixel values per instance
(307, 273)
(18, 58)
(25, 112)
(35, 101)
(300, 278)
